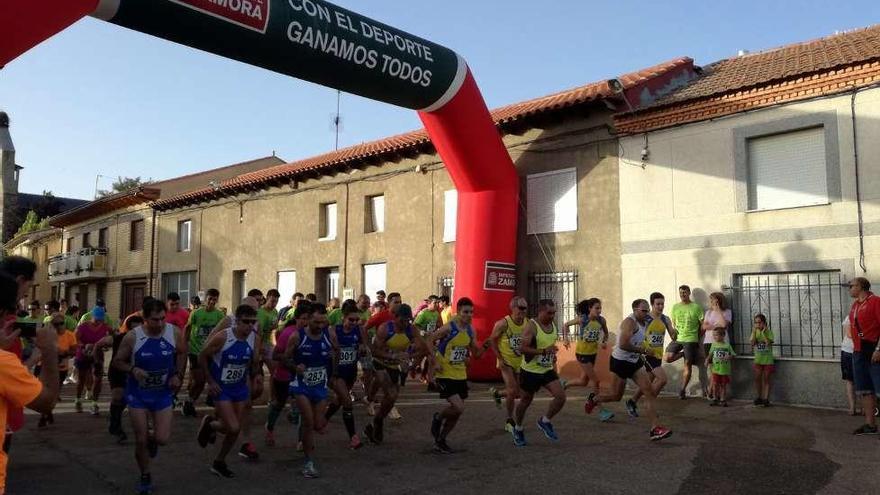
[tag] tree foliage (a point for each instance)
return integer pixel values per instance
(122, 184)
(32, 223)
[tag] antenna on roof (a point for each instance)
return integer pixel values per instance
(337, 119)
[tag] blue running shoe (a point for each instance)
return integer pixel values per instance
(519, 437)
(547, 428)
(605, 415)
(632, 409)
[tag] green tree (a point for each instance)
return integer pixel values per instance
(32, 223)
(122, 184)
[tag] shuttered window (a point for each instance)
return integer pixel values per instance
(450, 212)
(137, 236)
(552, 201)
(787, 170)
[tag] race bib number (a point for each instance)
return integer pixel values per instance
(204, 331)
(657, 340)
(515, 342)
(762, 346)
(155, 380)
(315, 376)
(233, 373)
(722, 355)
(545, 360)
(347, 355)
(592, 336)
(459, 354)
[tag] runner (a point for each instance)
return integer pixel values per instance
(175, 315)
(373, 323)
(312, 354)
(267, 317)
(352, 342)
(117, 381)
(627, 363)
(154, 357)
(453, 342)
(231, 357)
(687, 317)
(198, 328)
(390, 346)
(539, 350)
(590, 323)
(90, 358)
(66, 350)
(427, 321)
(281, 375)
(505, 342)
(655, 334)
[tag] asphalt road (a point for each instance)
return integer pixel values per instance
(739, 449)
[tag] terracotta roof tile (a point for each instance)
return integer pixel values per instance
(415, 140)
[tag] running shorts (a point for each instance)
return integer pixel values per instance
(624, 369)
(586, 358)
(449, 387)
(532, 382)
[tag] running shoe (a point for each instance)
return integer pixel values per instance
(605, 415)
(145, 485)
(293, 416)
(355, 442)
(436, 425)
(95, 409)
(758, 402)
(51, 418)
(43, 422)
(547, 428)
(590, 404)
(682, 395)
(369, 432)
(496, 396)
(715, 402)
(189, 409)
(394, 413)
(659, 433)
(631, 408)
(270, 438)
(248, 451)
(724, 403)
(866, 430)
(876, 413)
(564, 383)
(519, 437)
(205, 431)
(309, 470)
(77, 405)
(509, 425)
(441, 447)
(220, 469)
(152, 447)
(121, 437)
(379, 431)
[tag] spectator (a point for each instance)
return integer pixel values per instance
(687, 317)
(195, 303)
(717, 316)
(18, 388)
(294, 300)
(333, 303)
(380, 296)
(864, 321)
(175, 315)
(311, 298)
(445, 309)
(846, 368)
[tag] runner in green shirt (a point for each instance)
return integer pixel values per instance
(721, 358)
(687, 318)
(762, 343)
(199, 327)
(109, 320)
(267, 315)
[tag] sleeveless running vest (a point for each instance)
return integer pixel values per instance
(541, 364)
(655, 335)
(317, 358)
(156, 356)
(510, 342)
(636, 340)
(452, 352)
(229, 367)
(588, 339)
(397, 342)
(348, 345)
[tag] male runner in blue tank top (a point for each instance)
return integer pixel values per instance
(311, 355)
(154, 357)
(352, 340)
(230, 357)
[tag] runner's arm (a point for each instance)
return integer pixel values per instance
(187, 330)
(528, 334)
(497, 331)
(182, 349)
(380, 347)
(627, 328)
(212, 346)
(223, 324)
(422, 349)
(122, 360)
(605, 332)
(567, 335)
(257, 357)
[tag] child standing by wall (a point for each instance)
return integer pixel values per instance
(762, 345)
(720, 357)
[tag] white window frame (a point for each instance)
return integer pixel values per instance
(184, 244)
(375, 214)
(562, 219)
(286, 293)
(329, 213)
(450, 214)
(368, 267)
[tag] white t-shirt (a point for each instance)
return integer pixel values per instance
(716, 322)
(846, 343)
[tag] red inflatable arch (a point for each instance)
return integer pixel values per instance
(320, 42)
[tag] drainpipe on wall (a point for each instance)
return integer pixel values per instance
(152, 249)
(861, 223)
(345, 244)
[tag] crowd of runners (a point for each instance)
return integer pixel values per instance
(319, 359)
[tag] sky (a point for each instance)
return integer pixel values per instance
(100, 100)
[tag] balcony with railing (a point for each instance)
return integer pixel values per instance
(85, 264)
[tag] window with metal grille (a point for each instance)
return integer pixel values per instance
(184, 283)
(561, 287)
(803, 309)
(787, 170)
